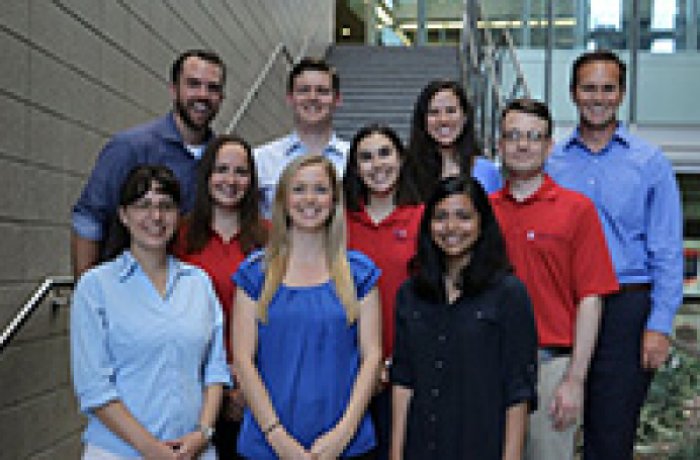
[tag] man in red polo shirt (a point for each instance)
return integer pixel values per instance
(556, 244)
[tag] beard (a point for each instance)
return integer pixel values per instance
(181, 109)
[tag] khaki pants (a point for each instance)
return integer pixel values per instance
(543, 442)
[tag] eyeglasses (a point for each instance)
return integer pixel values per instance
(514, 135)
(164, 206)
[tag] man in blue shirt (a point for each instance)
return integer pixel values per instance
(313, 93)
(636, 195)
(176, 140)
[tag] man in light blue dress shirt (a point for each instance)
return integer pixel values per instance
(636, 194)
(313, 93)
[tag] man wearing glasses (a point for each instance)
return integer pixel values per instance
(176, 140)
(636, 195)
(557, 247)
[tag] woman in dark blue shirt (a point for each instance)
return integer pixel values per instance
(464, 365)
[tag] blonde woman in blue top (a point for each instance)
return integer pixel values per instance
(147, 351)
(306, 327)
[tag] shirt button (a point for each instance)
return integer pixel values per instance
(591, 181)
(431, 446)
(442, 338)
(438, 364)
(435, 392)
(432, 418)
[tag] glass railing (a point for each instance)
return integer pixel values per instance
(658, 39)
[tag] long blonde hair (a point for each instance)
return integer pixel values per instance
(278, 247)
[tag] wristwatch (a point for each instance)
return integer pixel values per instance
(207, 431)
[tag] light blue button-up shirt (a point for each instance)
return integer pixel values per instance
(273, 157)
(154, 354)
(635, 192)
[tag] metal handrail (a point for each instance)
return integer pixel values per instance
(45, 288)
(280, 49)
(486, 70)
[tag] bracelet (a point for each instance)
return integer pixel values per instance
(271, 427)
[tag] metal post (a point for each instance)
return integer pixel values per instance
(548, 53)
(421, 36)
(691, 41)
(370, 22)
(525, 29)
(581, 24)
(634, 62)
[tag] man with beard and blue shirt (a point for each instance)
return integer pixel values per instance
(176, 140)
(634, 190)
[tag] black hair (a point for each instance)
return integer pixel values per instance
(425, 159)
(310, 63)
(597, 56)
(206, 55)
(356, 191)
(137, 184)
(253, 233)
(488, 261)
(532, 107)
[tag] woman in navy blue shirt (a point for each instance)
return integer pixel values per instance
(464, 365)
(307, 327)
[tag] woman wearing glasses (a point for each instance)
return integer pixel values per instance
(147, 351)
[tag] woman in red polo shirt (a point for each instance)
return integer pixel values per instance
(224, 227)
(383, 216)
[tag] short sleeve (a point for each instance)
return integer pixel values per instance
(520, 345)
(364, 272)
(250, 275)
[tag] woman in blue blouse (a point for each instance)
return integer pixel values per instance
(443, 142)
(147, 350)
(307, 327)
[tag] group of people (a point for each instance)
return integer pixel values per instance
(316, 298)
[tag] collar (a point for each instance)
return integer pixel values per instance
(294, 143)
(168, 131)
(399, 215)
(621, 136)
(548, 191)
(128, 265)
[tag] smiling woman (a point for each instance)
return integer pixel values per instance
(145, 325)
(464, 357)
(306, 347)
(223, 228)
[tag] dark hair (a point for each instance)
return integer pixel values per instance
(253, 233)
(137, 184)
(532, 107)
(488, 262)
(310, 63)
(206, 55)
(356, 191)
(596, 56)
(424, 154)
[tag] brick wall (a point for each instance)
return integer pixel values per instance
(72, 72)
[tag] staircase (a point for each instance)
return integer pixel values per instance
(381, 84)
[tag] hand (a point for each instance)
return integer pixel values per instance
(655, 349)
(285, 446)
(188, 446)
(331, 444)
(566, 404)
(234, 403)
(158, 450)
